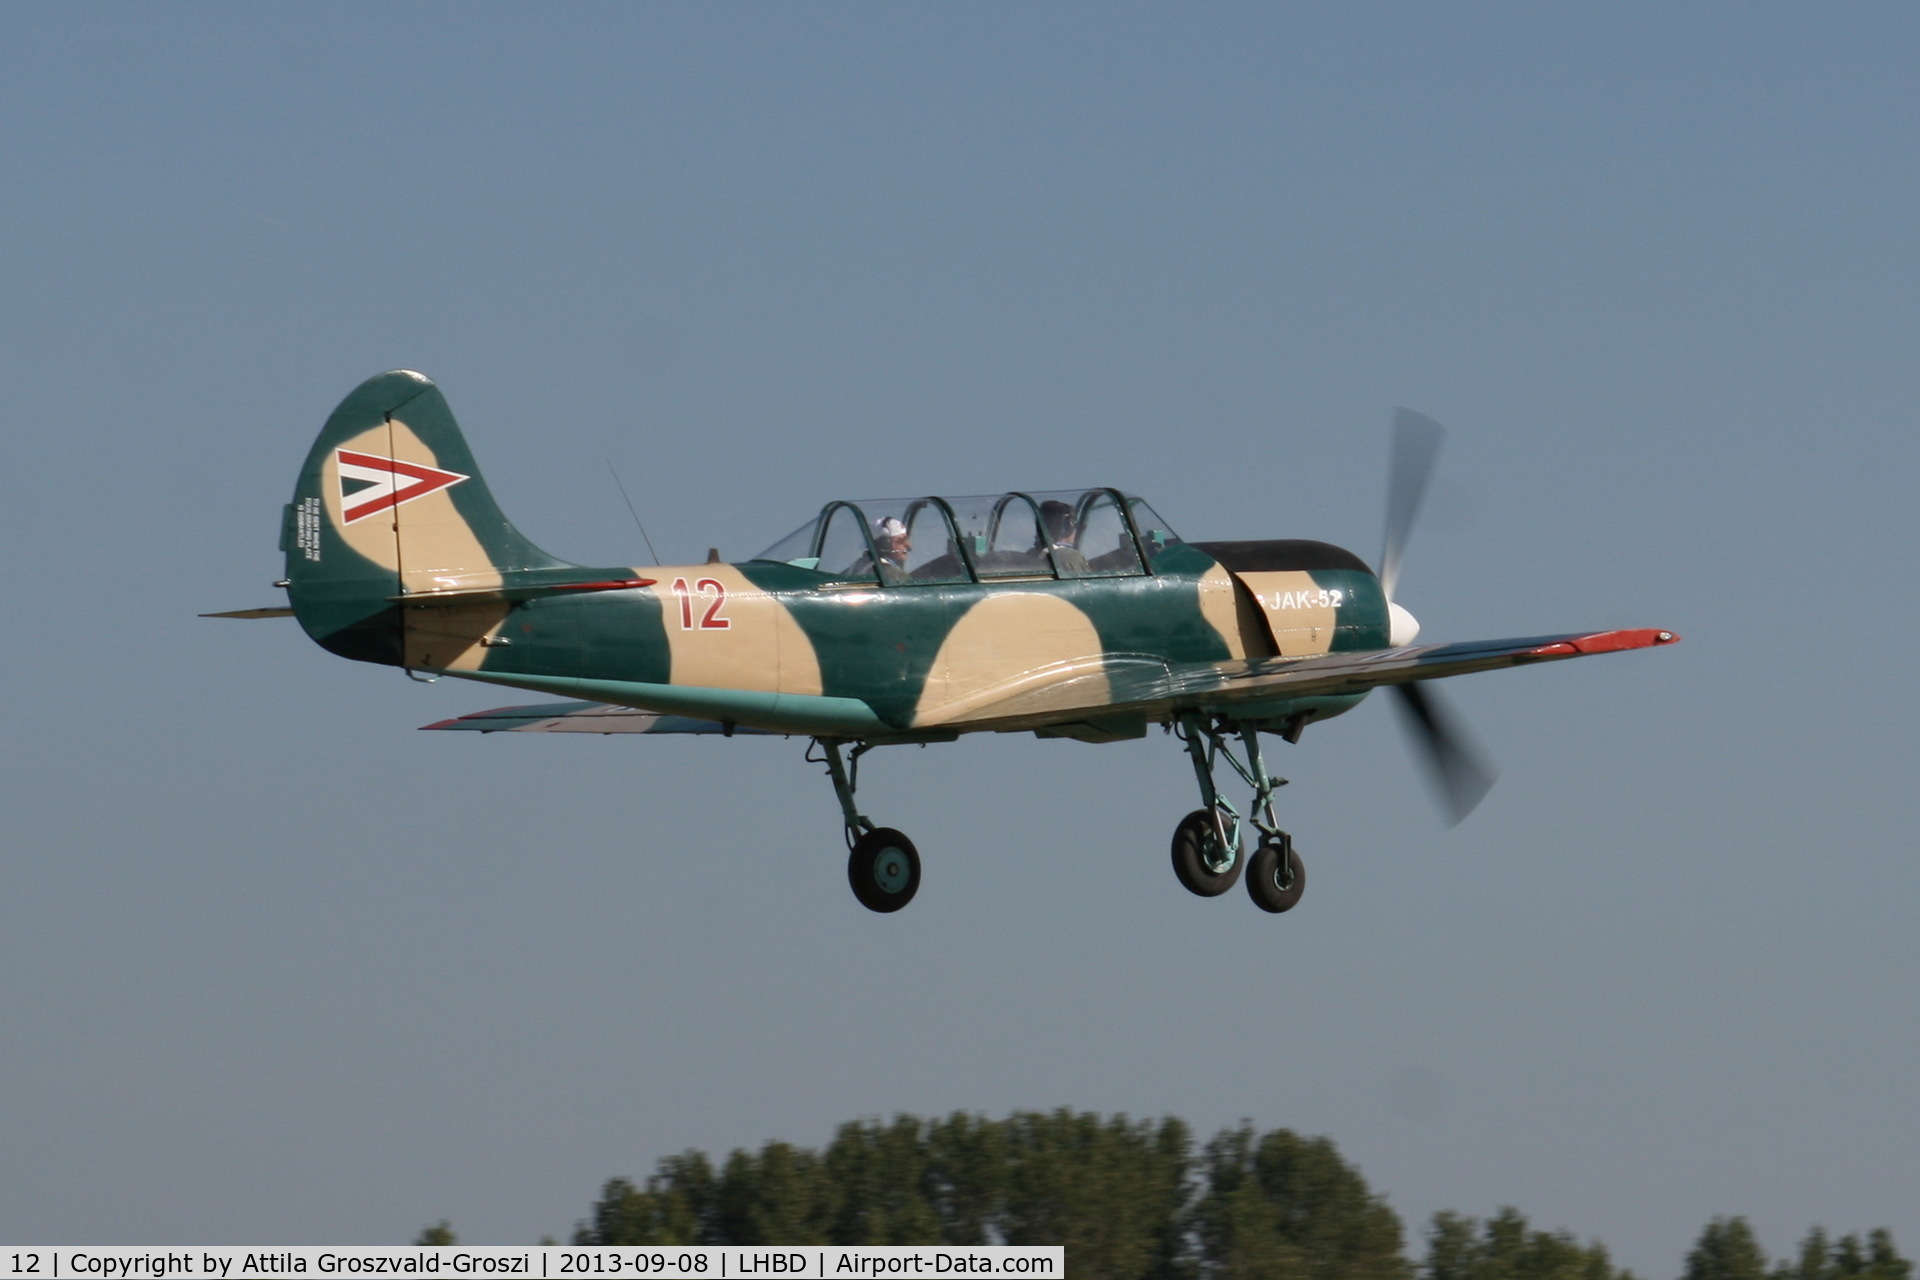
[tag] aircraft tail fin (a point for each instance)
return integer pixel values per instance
(390, 503)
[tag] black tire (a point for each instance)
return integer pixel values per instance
(1196, 856)
(884, 870)
(1276, 877)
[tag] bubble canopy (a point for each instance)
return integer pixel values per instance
(1065, 533)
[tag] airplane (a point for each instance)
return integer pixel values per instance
(1074, 614)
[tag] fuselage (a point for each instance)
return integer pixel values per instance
(1063, 611)
(780, 646)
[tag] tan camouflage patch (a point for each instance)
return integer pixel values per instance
(1301, 615)
(1017, 644)
(1230, 611)
(725, 633)
(426, 542)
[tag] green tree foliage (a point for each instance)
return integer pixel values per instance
(1131, 1201)
(783, 1195)
(886, 1181)
(1726, 1250)
(967, 1177)
(678, 1206)
(1120, 1195)
(1112, 1191)
(1277, 1206)
(1846, 1259)
(1504, 1248)
(439, 1233)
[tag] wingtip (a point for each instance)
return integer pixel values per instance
(1614, 641)
(1609, 642)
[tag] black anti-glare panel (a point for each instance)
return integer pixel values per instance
(1280, 555)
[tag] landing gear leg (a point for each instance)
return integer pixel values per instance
(844, 782)
(883, 867)
(1275, 876)
(1207, 843)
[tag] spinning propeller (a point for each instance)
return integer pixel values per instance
(1461, 775)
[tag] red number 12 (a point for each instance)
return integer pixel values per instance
(711, 619)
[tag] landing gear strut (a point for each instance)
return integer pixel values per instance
(1208, 842)
(883, 867)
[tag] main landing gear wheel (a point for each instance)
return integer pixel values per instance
(884, 870)
(1203, 863)
(882, 865)
(1275, 876)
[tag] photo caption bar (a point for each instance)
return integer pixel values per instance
(544, 1262)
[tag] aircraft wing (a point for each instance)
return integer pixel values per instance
(585, 717)
(1129, 688)
(1154, 689)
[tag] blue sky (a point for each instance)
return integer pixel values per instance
(279, 969)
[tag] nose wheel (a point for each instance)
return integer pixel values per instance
(1207, 844)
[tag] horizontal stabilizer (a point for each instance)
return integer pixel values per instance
(514, 594)
(280, 612)
(587, 717)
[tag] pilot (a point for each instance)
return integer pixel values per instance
(891, 542)
(1065, 534)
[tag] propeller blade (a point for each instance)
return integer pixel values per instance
(1416, 447)
(1461, 775)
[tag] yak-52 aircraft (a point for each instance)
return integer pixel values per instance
(1073, 614)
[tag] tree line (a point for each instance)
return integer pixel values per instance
(1134, 1200)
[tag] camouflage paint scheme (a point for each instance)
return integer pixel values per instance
(397, 554)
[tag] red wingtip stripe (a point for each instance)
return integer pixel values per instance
(612, 584)
(1608, 642)
(1614, 641)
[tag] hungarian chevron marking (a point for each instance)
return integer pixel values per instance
(391, 482)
